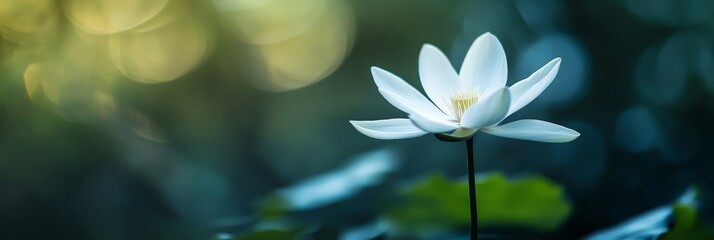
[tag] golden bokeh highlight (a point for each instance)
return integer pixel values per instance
(72, 54)
(174, 10)
(297, 43)
(163, 53)
(27, 20)
(111, 16)
(306, 58)
(276, 20)
(32, 76)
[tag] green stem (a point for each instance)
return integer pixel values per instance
(472, 188)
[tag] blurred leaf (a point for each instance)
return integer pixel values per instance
(656, 223)
(438, 203)
(687, 225)
(269, 234)
(273, 207)
(363, 171)
(433, 203)
(534, 202)
(649, 225)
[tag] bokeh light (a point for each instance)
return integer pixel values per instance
(163, 53)
(26, 22)
(297, 42)
(106, 17)
(573, 74)
(325, 45)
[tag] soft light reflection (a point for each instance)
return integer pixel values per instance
(648, 225)
(368, 231)
(110, 16)
(365, 170)
(145, 127)
(162, 54)
(34, 73)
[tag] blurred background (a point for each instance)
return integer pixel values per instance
(178, 119)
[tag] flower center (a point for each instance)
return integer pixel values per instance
(461, 101)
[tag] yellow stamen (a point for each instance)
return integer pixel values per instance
(461, 101)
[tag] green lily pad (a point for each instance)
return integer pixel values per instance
(438, 203)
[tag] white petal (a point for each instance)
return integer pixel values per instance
(411, 107)
(524, 91)
(534, 130)
(487, 111)
(438, 77)
(396, 128)
(402, 95)
(485, 65)
(433, 125)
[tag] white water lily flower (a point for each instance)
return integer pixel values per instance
(476, 98)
